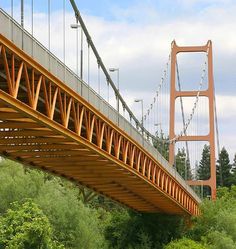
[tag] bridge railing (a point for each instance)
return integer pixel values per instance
(23, 39)
(89, 43)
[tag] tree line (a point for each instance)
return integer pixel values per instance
(43, 211)
(225, 170)
(40, 210)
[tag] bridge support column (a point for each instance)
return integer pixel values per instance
(209, 93)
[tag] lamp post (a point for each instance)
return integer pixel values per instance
(118, 83)
(22, 13)
(161, 138)
(141, 101)
(76, 26)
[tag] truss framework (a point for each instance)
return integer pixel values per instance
(44, 124)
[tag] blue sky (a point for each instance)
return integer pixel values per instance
(167, 10)
(135, 35)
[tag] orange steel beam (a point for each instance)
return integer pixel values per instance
(66, 123)
(190, 94)
(209, 93)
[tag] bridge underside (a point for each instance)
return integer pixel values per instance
(37, 145)
(45, 125)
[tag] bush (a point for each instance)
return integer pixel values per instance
(219, 240)
(142, 230)
(24, 226)
(184, 243)
(73, 224)
(216, 225)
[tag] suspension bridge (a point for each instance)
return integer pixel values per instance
(51, 118)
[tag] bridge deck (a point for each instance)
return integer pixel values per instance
(46, 125)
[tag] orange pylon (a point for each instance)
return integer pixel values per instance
(209, 93)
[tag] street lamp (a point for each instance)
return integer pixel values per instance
(141, 101)
(76, 26)
(118, 83)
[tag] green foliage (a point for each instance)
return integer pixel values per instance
(56, 217)
(216, 225)
(184, 243)
(204, 165)
(234, 164)
(223, 192)
(161, 144)
(182, 164)
(215, 228)
(224, 176)
(132, 230)
(24, 226)
(219, 240)
(74, 224)
(203, 172)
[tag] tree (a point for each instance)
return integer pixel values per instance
(233, 170)
(182, 164)
(74, 224)
(234, 164)
(142, 230)
(215, 227)
(203, 172)
(162, 145)
(184, 243)
(223, 169)
(25, 226)
(220, 240)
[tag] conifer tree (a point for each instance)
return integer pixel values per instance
(182, 164)
(234, 165)
(233, 171)
(203, 172)
(223, 169)
(162, 145)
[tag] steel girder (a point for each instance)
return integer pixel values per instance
(46, 125)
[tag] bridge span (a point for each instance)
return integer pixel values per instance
(52, 120)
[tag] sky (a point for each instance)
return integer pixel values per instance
(136, 36)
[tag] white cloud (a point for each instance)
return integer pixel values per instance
(226, 106)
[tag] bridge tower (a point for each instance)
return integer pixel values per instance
(209, 93)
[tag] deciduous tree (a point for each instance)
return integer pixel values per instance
(25, 226)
